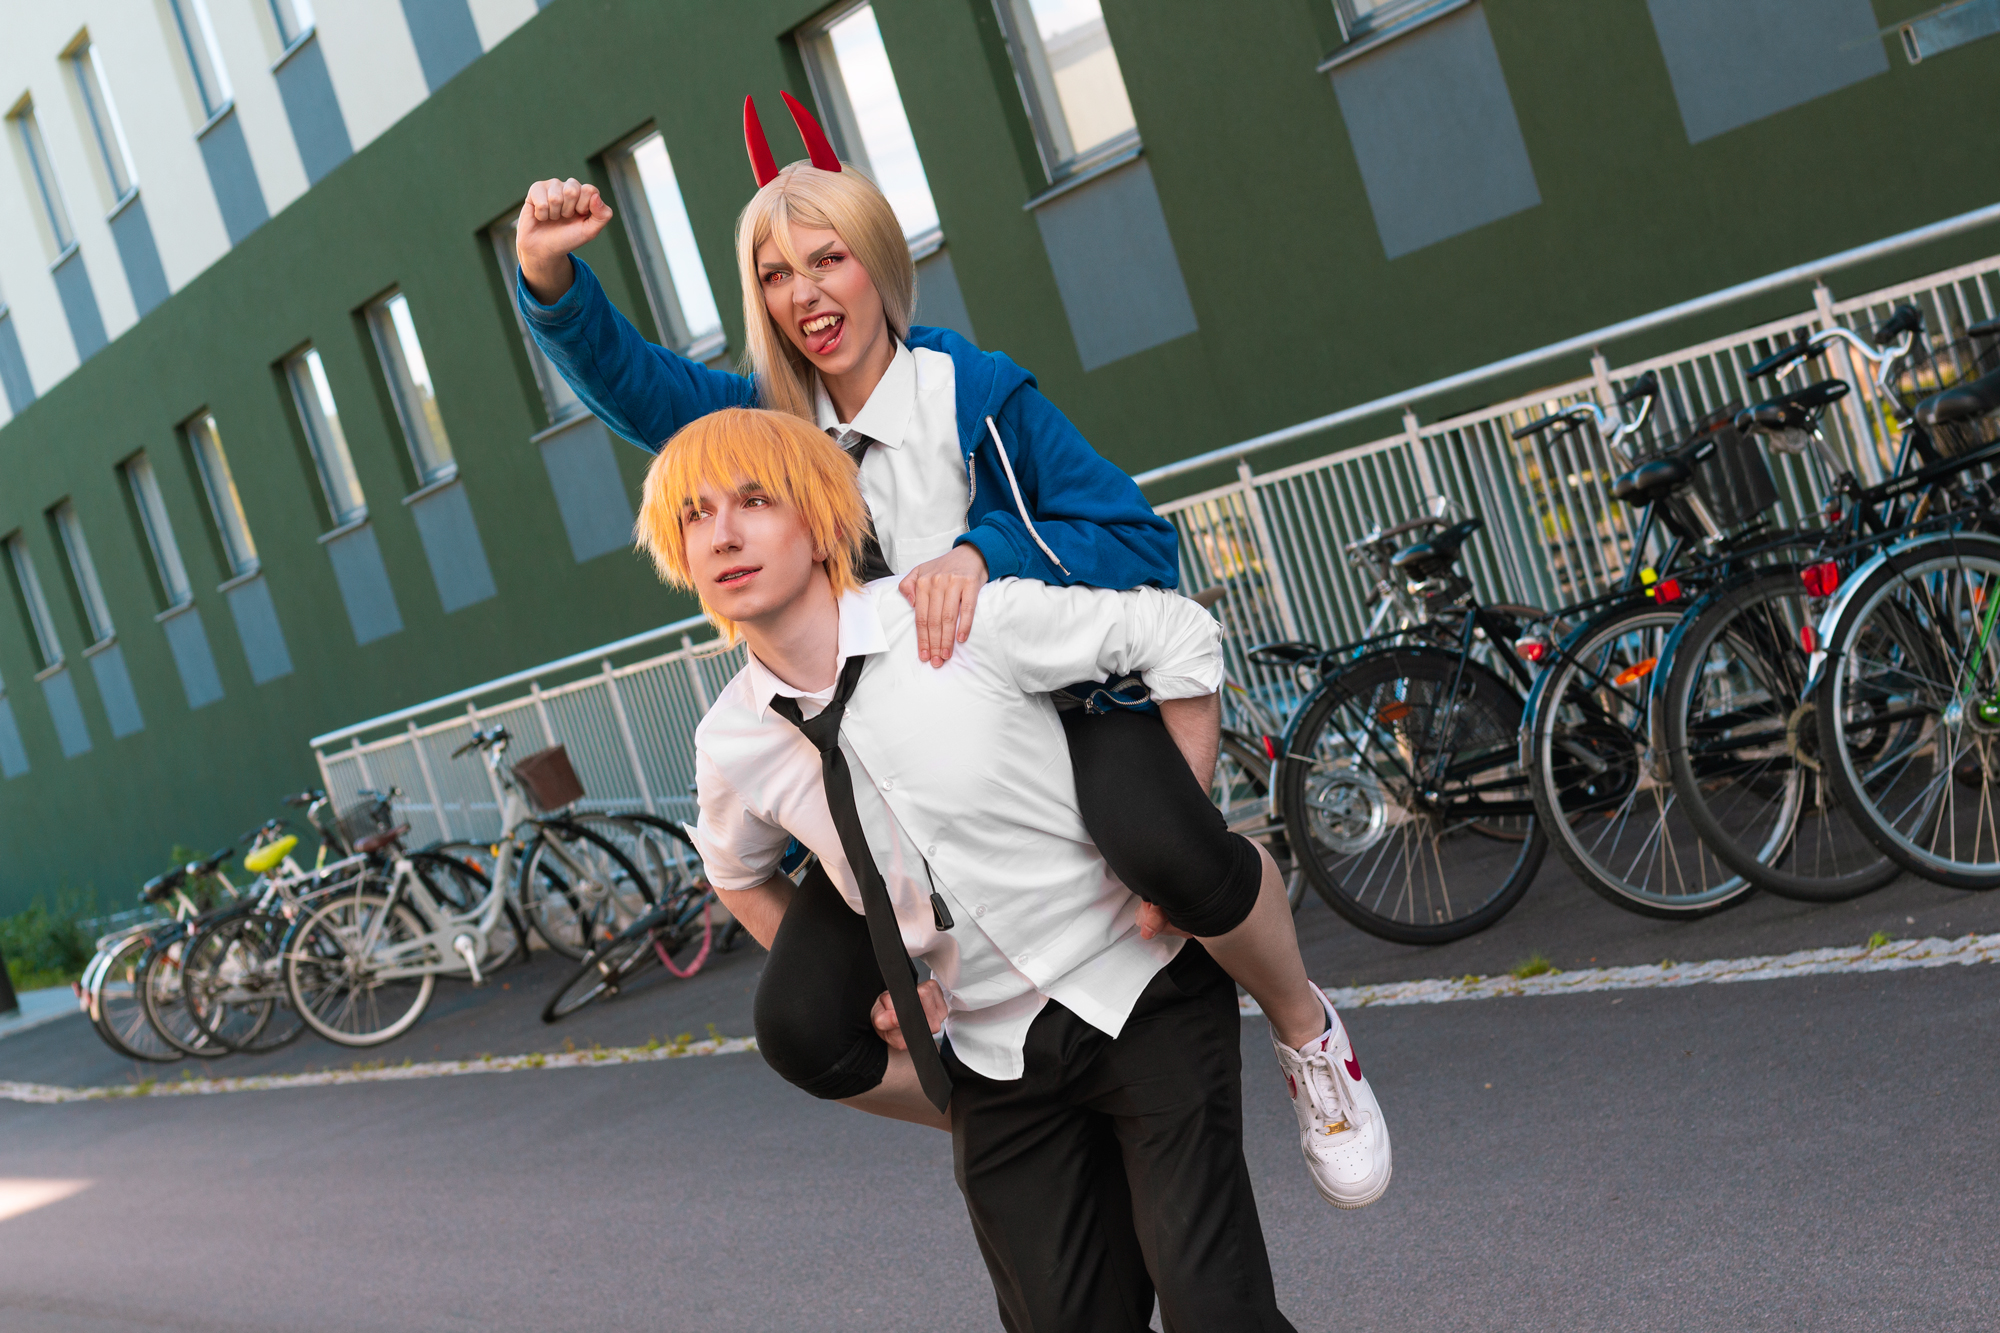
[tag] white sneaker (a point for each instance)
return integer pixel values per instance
(1341, 1132)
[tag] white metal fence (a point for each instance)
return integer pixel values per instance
(1553, 535)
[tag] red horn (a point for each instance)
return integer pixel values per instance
(817, 148)
(762, 165)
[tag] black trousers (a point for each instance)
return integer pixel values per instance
(1155, 826)
(1112, 1171)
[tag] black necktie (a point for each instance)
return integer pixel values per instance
(871, 565)
(898, 976)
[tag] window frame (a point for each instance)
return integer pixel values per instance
(1057, 167)
(425, 435)
(55, 218)
(41, 624)
(83, 573)
(656, 273)
(828, 81)
(176, 588)
(114, 152)
(560, 404)
(204, 438)
(324, 434)
(287, 38)
(1385, 16)
(206, 66)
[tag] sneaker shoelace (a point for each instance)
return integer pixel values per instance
(1333, 1105)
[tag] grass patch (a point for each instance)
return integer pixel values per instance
(46, 945)
(1534, 965)
(1879, 938)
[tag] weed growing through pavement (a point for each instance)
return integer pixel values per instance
(1535, 966)
(1878, 939)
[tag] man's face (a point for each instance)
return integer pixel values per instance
(831, 312)
(749, 551)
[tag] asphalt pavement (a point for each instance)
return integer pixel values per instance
(1803, 1154)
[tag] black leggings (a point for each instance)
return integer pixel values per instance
(1154, 825)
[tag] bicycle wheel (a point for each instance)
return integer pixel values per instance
(165, 1001)
(1241, 789)
(1604, 795)
(578, 888)
(117, 1010)
(604, 973)
(355, 971)
(1387, 772)
(1743, 748)
(460, 886)
(235, 987)
(1909, 730)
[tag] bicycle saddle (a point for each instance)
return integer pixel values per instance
(375, 842)
(1967, 400)
(1670, 474)
(1794, 411)
(264, 858)
(161, 887)
(1436, 554)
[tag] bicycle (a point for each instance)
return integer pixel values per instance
(110, 988)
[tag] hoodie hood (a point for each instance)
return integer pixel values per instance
(982, 380)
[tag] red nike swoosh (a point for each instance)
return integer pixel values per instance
(1353, 1067)
(1293, 1085)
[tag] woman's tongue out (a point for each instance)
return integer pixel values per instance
(823, 333)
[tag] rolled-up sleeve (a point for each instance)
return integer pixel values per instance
(1053, 637)
(739, 849)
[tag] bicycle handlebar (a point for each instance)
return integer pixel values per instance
(482, 739)
(1611, 424)
(303, 798)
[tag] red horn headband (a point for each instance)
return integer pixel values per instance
(762, 165)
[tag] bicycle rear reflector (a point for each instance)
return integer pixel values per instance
(1532, 649)
(1667, 590)
(1394, 712)
(1270, 748)
(1809, 639)
(1820, 580)
(1637, 672)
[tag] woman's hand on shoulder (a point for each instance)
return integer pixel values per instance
(944, 593)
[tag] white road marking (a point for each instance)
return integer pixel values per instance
(506, 1064)
(1894, 956)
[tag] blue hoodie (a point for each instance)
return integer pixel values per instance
(1048, 508)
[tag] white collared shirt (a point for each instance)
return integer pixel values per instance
(962, 779)
(915, 483)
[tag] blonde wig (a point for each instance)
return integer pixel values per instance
(789, 459)
(845, 202)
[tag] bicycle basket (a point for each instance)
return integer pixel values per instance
(1929, 370)
(1735, 483)
(365, 820)
(1955, 439)
(548, 779)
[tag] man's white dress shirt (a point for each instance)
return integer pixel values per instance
(962, 781)
(915, 483)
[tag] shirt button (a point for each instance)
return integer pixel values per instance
(931, 850)
(887, 783)
(979, 910)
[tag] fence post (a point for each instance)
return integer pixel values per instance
(1858, 376)
(472, 711)
(361, 765)
(1267, 549)
(694, 674)
(625, 730)
(1600, 370)
(430, 785)
(542, 713)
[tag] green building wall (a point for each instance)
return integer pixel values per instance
(1299, 313)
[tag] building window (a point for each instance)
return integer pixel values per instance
(313, 397)
(44, 626)
(204, 55)
(1069, 77)
(676, 282)
(83, 572)
(863, 114)
(410, 384)
(41, 173)
(231, 525)
(106, 132)
(294, 19)
(560, 400)
(152, 509)
(1363, 18)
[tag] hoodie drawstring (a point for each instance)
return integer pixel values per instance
(1020, 504)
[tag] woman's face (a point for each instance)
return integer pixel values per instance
(831, 312)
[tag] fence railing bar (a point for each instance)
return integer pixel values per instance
(625, 730)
